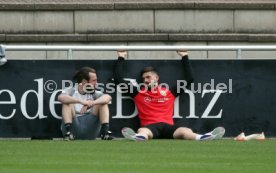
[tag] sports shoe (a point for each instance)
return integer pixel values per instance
(129, 134)
(69, 136)
(107, 136)
(240, 137)
(261, 136)
(257, 136)
(217, 133)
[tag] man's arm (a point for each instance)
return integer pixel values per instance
(187, 73)
(67, 99)
(104, 99)
(118, 74)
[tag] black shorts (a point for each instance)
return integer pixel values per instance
(162, 130)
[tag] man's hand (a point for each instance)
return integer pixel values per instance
(122, 53)
(182, 53)
(88, 103)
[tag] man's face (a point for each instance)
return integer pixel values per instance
(93, 79)
(150, 78)
(90, 85)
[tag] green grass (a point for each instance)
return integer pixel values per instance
(160, 156)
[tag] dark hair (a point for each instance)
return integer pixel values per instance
(83, 73)
(148, 69)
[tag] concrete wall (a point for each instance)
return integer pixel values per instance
(108, 22)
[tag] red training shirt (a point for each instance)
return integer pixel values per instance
(155, 106)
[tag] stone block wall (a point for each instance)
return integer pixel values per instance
(129, 22)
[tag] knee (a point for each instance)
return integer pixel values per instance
(100, 109)
(101, 106)
(184, 131)
(145, 132)
(105, 105)
(140, 130)
(66, 108)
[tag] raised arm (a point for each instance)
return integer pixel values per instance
(127, 86)
(187, 73)
(119, 67)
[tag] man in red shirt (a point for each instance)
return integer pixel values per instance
(155, 105)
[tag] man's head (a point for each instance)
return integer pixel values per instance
(150, 76)
(86, 77)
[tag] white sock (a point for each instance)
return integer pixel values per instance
(203, 137)
(198, 137)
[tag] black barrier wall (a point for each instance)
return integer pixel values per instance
(238, 95)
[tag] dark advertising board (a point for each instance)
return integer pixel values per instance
(236, 94)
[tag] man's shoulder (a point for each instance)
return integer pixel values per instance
(97, 94)
(69, 90)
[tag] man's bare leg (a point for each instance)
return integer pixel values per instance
(67, 118)
(102, 111)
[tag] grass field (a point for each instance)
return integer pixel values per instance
(155, 156)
